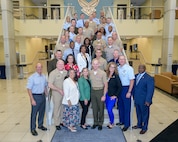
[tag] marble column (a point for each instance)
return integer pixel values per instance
(168, 35)
(9, 38)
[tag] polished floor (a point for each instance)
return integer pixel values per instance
(15, 115)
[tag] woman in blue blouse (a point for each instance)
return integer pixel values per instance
(114, 88)
(84, 89)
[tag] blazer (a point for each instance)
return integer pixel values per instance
(81, 62)
(144, 90)
(114, 86)
(84, 89)
(71, 92)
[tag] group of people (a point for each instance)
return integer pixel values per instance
(93, 73)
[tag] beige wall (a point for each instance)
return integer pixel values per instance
(2, 61)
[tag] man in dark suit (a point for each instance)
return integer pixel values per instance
(52, 64)
(143, 92)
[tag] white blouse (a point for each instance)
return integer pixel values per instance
(71, 92)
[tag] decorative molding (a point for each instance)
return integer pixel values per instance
(88, 7)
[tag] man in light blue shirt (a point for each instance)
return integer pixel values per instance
(70, 50)
(36, 88)
(109, 23)
(81, 21)
(96, 20)
(126, 75)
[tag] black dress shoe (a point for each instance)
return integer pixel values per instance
(61, 124)
(58, 127)
(34, 132)
(119, 124)
(136, 127)
(143, 131)
(100, 128)
(125, 128)
(42, 128)
(94, 126)
(85, 128)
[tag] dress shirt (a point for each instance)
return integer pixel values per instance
(126, 73)
(66, 25)
(77, 46)
(139, 76)
(37, 83)
(106, 27)
(71, 36)
(80, 23)
(96, 20)
(69, 51)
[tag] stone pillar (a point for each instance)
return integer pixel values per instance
(168, 34)
(9, 39)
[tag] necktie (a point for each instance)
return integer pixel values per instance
(73, 52)
(83, 23)
(138, 78)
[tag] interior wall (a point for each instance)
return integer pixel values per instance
(33, 45)
(2, 60)
(175, 49)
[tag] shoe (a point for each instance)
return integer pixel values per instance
(125, 128)
(143, 131)
(136, 127)
(84, 127)
(72, 130)
(119, 124)
(58, 128)
(100, 128)
(110, 126)
(61, 124)
(42, 128)
(34, 132)
(87, 125)
(94, 126)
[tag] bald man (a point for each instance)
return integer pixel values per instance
(99, 88)
(55, 83)
(36, 87)
(143, 92)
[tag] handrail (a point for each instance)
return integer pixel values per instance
(36, 55)
(61, 29)
(117, 33)
(144, 60)
(130, 8)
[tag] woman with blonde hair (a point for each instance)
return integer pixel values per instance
(85, 91)
(114, 89)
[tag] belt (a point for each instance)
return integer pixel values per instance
(37, 94)
(97, 88)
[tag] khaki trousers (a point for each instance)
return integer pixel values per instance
(57, 113)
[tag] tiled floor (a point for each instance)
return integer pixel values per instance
(15, 115)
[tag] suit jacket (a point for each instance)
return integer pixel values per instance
(84, 89)
(81, 62)
(51, 65)
(144, 90)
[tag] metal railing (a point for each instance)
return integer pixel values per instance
(70, 10)
(41, 57)
(137, 12)
(40, 12)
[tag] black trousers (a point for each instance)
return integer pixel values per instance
(39, 110)
(84, 111)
